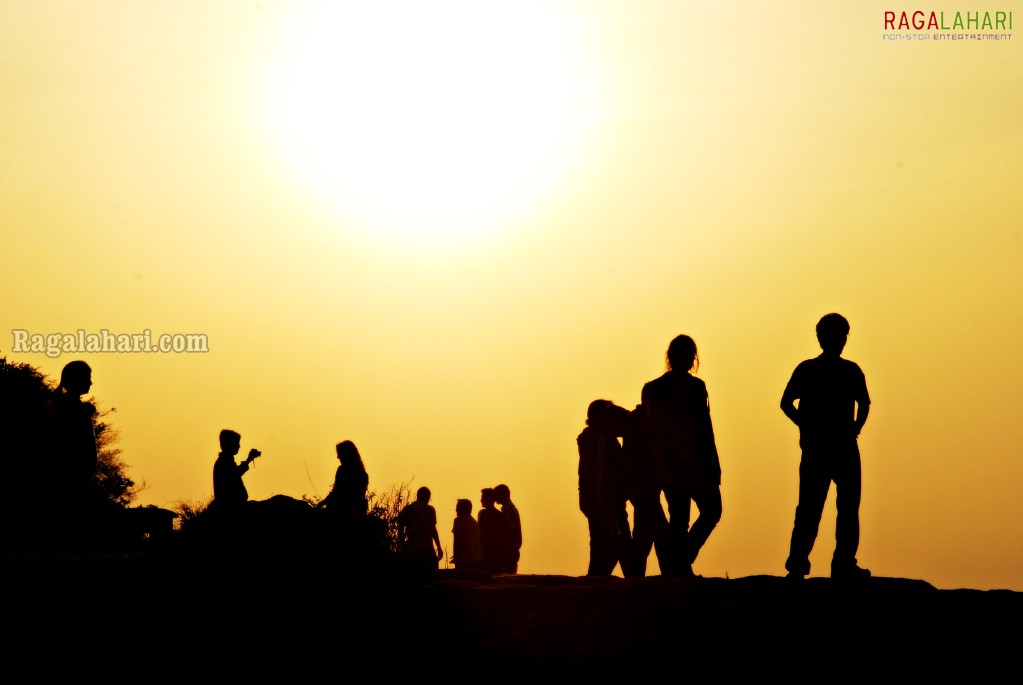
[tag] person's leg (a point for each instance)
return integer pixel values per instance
(600, 547)
(661, 533)
(679, 501)
(814, 482)
(650, 532)
(848, 487)
(642, 539)
(708, 502)
(623, 554)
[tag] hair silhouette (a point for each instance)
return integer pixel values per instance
(682, 354)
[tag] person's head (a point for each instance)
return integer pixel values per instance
(348, 453)
(682, 355)
(502, 493)
(230, 441)
(463, 507)
(596, 411)
(423, 495)
(76, 378)
(832, 333)
(606, 416)
(487, 498)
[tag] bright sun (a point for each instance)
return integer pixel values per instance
(430, 122)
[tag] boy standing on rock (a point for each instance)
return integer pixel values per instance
(832, 407)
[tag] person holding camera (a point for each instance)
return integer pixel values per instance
(228, 489)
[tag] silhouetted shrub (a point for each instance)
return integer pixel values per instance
(385, 508)
(188, 511)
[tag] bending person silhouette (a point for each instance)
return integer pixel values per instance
(602, 484)
(833, 404)
(677, 413)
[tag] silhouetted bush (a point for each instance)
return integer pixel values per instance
(188, 511)
(385, 508)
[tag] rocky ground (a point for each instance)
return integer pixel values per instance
(206, 614)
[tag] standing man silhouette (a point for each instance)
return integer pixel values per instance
(76, 502)
(832, 407)
(511, 516)
(417, 528)
(494, 546)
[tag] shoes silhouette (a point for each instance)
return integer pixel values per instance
(853, 572)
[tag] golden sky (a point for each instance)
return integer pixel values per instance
(441, 229)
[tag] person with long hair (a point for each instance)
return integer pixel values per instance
(74, 448)
(347, 497)
(72, 515)
(681, 435)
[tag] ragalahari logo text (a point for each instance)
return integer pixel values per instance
(942, 25)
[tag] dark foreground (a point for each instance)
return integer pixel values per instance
(209, 616)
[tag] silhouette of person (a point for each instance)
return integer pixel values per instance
(602, 487)
(73, 432)
(74, 457)
(677, 413)
(229, 492)
(513, 523)
(495, 548)
(827, 398)
(417, 527)
(347, 497)
(650, 529)
(467, 551)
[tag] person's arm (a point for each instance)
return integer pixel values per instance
(436, 541)
(454, 542)
(862, 409)
(517, 529)
(862, 403)
(710, 445)
(244, 466)
(788, 401)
